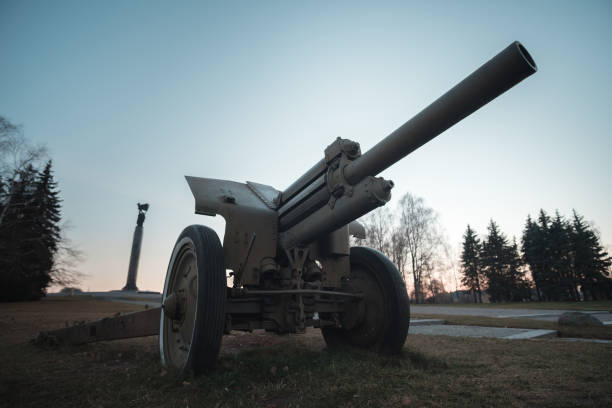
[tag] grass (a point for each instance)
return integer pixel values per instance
(298, 371)
(589, 305)
(596, 332)
(432, 371)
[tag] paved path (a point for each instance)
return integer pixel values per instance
(477, 331)
(537, 314)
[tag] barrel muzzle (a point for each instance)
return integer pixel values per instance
(492, 79)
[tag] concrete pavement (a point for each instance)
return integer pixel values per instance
(497, 332)
(536, 314)
(478, 331)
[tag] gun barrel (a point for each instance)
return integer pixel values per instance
(495, 77)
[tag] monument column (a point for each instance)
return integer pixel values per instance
(136, 244)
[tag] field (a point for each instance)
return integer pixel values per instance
(291, 371)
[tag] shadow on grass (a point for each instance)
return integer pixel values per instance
(266, 365)
(286, 375)
(276, 375)
(423, 362)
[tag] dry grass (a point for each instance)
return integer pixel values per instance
(297, 371)
(23, 320)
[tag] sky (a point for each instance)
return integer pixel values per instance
(131, 96)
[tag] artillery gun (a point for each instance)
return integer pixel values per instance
(288, 251)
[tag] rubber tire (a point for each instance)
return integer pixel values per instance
(396, 305)
(210, 309)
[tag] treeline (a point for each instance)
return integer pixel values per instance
(30, 233)
(564, 257)
(29, 237)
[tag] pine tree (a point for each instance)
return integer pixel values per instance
(49, 207)
(549, 281)
(29, 218)
(30, 235)
(46, 223)
(503, 267)
(17, 252)
(531, 248)
(517, 286)
(470, 262)
(566, 258)
(493, 266)
(560, 259)
(591, 264)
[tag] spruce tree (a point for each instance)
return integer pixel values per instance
(549, 281)
(30, 235)
(470, 263)
(493, 266)
(591, 263)
(531, 249)
(560, 259)
(566, 258)
(18, 251)
(29, 217)
(503, 268)
(48, 206)
(517, 286)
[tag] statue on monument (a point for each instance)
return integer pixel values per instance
(142, 210)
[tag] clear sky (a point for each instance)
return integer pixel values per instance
(130, 96)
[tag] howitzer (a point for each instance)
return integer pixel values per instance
(288, 252)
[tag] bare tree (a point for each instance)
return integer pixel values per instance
(384, 235)
(16, 154)
(399, 251)
(451, 263)
(378, 225)
(64, 271)
(410, 237)
(419, 225)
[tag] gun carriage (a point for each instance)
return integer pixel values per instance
(288, 252)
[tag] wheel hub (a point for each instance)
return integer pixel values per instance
(174, 307)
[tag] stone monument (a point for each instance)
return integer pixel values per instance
(136, 244)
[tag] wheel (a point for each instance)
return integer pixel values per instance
(193, 311)
(380, 321)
